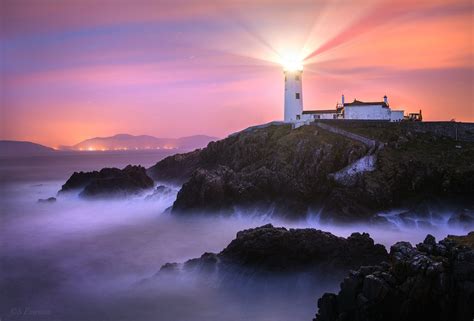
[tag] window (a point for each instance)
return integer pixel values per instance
(297, 95)
(297, 77)
(298, 117)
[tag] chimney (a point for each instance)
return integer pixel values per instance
(385, 100)
(342, 99)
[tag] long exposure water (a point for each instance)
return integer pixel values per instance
(94, 260)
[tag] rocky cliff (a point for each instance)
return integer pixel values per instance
(292, 171)
(432, 281)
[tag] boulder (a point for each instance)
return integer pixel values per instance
(269, 249)
(109, 182)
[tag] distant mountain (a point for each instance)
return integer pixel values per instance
(11, 148)
(130, 142)
(195, 141)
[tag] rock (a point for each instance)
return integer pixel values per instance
(109, 182)
(434, 281)
(274, 167)
(162, 189)
(47, 200)
(207, 263)
(290, 171)
(467, 240)
(79, 180)
(208, 190)
(430, 240)
(328, 306)
(169, 267)
(269, 249)
(176, 168)
(374, 288)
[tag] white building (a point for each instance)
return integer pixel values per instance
(319, 114)
(379, 110)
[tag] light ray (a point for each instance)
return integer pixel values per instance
(380, 14)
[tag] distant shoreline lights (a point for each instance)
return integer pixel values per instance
(104, 149)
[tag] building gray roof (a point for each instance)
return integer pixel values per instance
(327, 111)
(356, 103)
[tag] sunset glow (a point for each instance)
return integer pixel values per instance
(73, 70)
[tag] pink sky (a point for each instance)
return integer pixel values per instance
(72, 70)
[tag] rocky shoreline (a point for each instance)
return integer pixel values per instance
(355, 176)
(432, 281)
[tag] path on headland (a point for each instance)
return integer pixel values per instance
(348, 175)
(364, 140)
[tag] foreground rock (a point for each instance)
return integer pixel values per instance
(269, 249)
(293, 170)
(432, 281)
(109, 182)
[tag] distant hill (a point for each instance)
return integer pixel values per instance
(130, 142)
(11, 148)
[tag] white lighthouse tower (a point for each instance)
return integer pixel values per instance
(293, 92)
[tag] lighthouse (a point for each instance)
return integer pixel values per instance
(293, 92)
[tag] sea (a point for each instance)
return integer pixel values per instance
(85, 260)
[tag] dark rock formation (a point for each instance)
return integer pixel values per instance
(272, 167)
(109, 182)
(292, 170)
(432, 281)
(176, 168)
(269, 249)
(47, 200)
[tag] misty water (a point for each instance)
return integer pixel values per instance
(96, 260)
